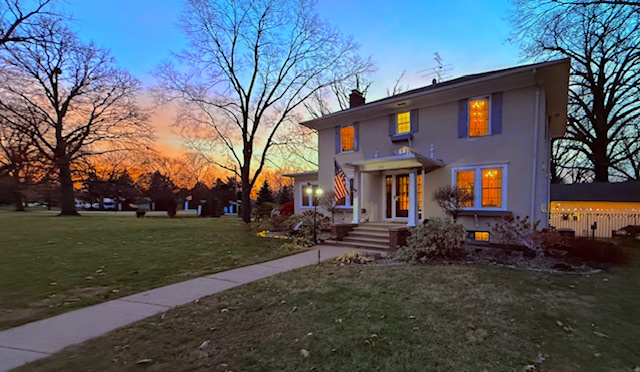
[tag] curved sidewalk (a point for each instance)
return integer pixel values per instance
(39, 339)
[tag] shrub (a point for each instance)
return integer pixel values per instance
(279, 222)
(287, 209)
(519, 232)
(262, 211)
(587, 249)
(438, 238)
(297, 243)
(306, 228)
(354, 257)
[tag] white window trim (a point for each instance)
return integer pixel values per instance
(355, 139)
(303, 187)
(477, 185)
(347, 202)
(488, 98)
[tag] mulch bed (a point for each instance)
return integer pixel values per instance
(485, 255)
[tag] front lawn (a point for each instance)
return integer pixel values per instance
(388, 318)
(51, 264)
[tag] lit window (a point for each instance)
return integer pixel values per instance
(465, 181)
(478, 117)
(486, 184)
(403, 123)
(482, 236)
(347, 138)
(307, 199)
(492, 188)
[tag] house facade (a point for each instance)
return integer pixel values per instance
(488, 133)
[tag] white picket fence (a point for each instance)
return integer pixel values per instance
(581, 222)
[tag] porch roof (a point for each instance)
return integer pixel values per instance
(403, 161)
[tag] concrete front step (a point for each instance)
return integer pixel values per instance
(373, 229)
(370, 234)
(366, 240)
(359, 245)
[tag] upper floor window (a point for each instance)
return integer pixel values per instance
(479, 117)
(487, 184)
(347, 138)
(403, 123)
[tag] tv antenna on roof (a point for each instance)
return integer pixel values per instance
(439, 72)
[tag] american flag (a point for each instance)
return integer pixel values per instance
(339, 182)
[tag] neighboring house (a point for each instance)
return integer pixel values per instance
(611, 205)
(489, 133)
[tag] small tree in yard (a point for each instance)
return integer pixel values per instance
(518, 231)
(265, 195)
(452, 200)
(328, 201)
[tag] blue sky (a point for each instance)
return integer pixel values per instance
(469, 35)
(399, 36)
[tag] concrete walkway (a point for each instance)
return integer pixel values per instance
(39, 339)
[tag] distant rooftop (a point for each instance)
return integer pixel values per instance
(628, 191)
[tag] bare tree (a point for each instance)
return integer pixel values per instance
(452, 200)
(20, 162)
(254, 63)
(397, 87)
(603, 42)
(16, 19)
(68, 97)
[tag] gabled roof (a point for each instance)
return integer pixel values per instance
(553, 77)
(628, 191)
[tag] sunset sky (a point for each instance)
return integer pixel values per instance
(470, 36)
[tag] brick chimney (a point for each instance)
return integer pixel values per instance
(356, 99)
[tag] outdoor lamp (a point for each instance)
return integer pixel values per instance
(315, 195)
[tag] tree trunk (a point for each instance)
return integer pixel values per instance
(246, 199)
(17, 194)
(600, 162)
(67, 202)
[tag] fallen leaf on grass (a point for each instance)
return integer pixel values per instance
(305, 353)
(144, 361)
(204, 344)
(600, 334)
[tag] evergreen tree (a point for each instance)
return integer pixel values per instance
(265, 195)
(285, 195)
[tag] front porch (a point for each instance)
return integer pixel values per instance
(370, 235)
(391, 188)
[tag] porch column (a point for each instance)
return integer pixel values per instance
(413, 198)
(357, 196)
(423, 190)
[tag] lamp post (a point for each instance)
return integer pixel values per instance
(314, 197)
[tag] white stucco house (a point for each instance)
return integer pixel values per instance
(488, 132)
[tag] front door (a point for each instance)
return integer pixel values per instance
(402, 195)
(396, 196)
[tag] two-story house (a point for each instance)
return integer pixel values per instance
(489, 133)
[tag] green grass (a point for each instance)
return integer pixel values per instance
(388, 318)
(51, 264)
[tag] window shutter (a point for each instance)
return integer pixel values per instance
(496, 113)
(392, 125)
(463, 122)
(356, 136)
(338, 142)
(414, 120)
